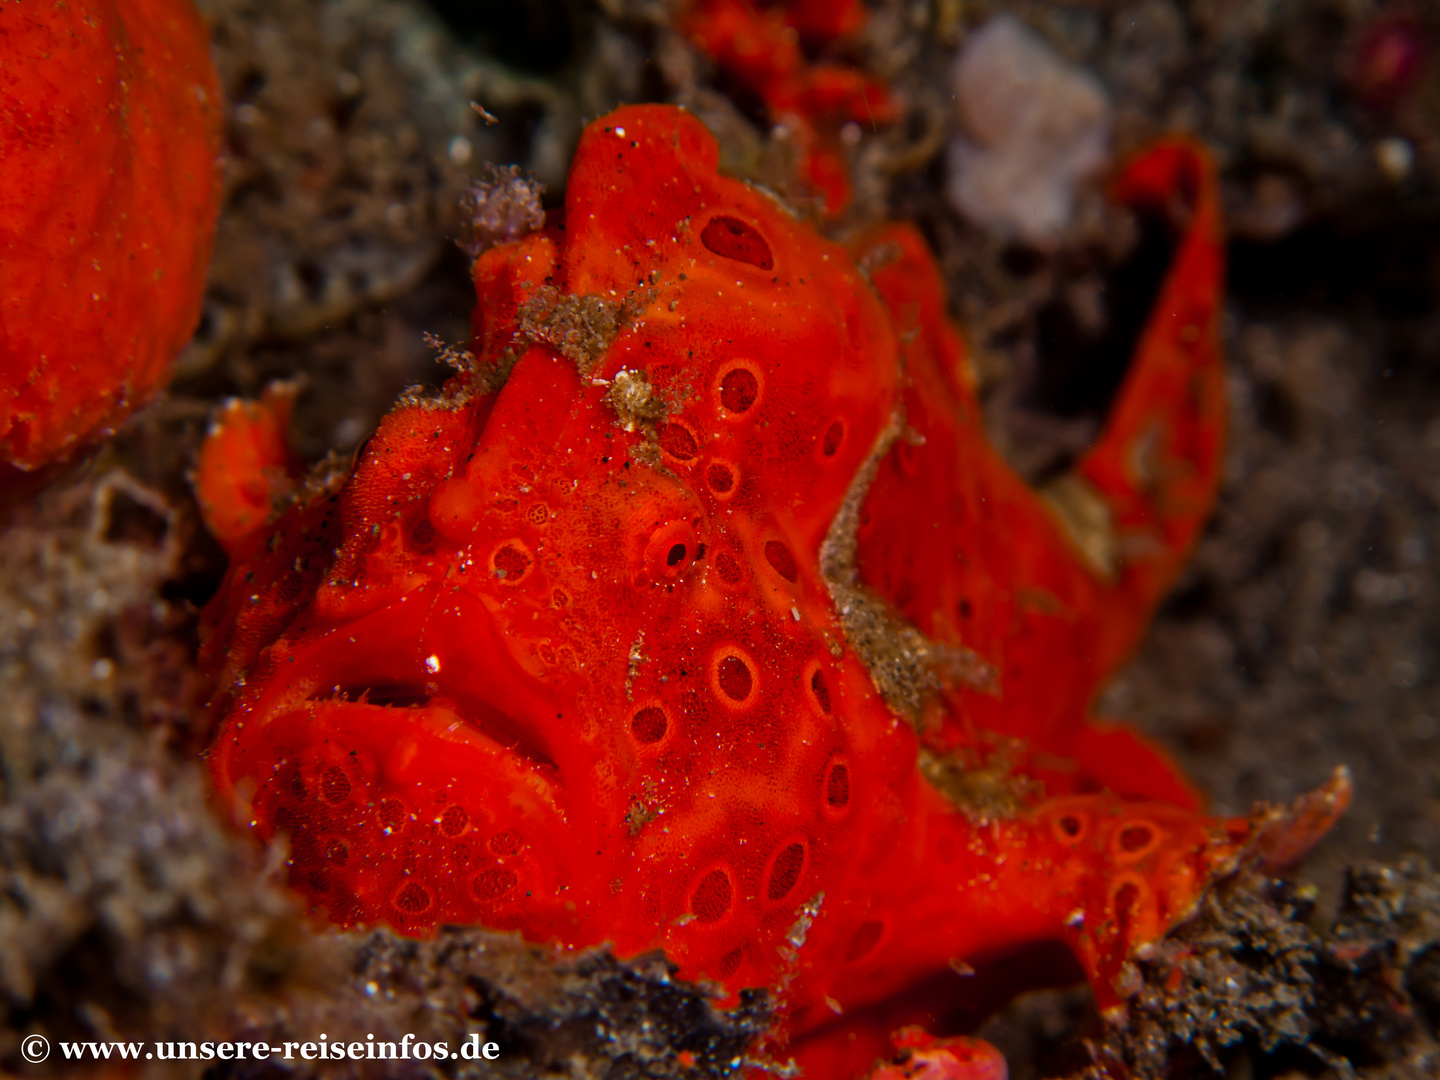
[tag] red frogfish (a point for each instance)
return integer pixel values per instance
(697, 613)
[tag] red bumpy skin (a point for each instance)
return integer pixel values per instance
(552, 659)
(110, 126)
(1054, 593)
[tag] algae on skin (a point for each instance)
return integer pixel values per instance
(635, 401)
(580, 328)
(895, 653)
(907, 668)
(984, 792)
(1087, 522)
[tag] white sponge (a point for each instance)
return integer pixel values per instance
(1032, 125)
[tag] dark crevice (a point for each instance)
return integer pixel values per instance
(538, 36)
(1078, 368)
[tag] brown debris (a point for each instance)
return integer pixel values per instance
(581, 328)
(898, 656)
(635, 403)
(907, 668)
(984, 791)
(456, 357)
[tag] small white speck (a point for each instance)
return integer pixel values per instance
(102, 669)
(795, 613)
(432, 664)
(620, 131)
(1075, 919)
(460, 149)
(372, 988)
